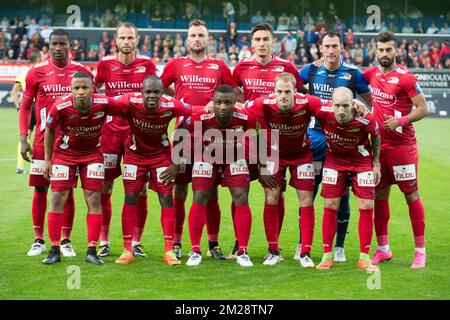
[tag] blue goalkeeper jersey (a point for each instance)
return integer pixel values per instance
(322, 83)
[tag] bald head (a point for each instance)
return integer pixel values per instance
(342, 104)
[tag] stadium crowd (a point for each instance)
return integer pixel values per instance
(19, 37)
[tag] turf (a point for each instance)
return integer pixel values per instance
(23, 277)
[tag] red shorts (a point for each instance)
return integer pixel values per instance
(113, 148)
(136, 175)
(334, 183)
(399, 166)
(206, 176)
(301, 169)
(185, 174)
(64, 176)
(36, 178)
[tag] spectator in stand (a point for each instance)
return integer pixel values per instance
(5, 23)
(45, 53)
(277, 46)
(332, 13)
(339, 27)
(107, 19)
(419, 28)
(45, 33)
(433, 29)
(168, 42)
(408, 28)
(257, 18)
(270, 18)
(156, 15)
(14, 45)
(33, 27)
(244, 53)
(444, 54)
(169, 13)
(120, 10)
(445, 29)
(290, 44)
(45, 20)
(435, 59)
(243, 11)
(228, 11)
(243, 41)
(78, 50)
(321, 24)
(283, 22)
(310, 36)
(357, 54)
(102, 50)
(349, 38)
(293, 23)
(392, 27)
(223, 55)
(314, 52)
(21, 30)
(232, 34)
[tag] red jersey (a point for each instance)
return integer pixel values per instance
(195, 82)
(149, 141)
(229, 139)
(46, 83)
(78, 140)
(391, 95)
(292, 125)
(259, 79)
(120, 79)
(349, 148)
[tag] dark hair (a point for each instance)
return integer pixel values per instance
(58, 32)
(197, 23)
(331, 34)
(82, 75)
(127, 25)
(224, 88)
(262, 26)
(386, 37)
(34, 55)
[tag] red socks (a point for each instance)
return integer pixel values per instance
(233, 215)
(94, 226)
(142, 212)
(417, 216)
(271, 225)
(128, 224)
(69, 214)
(365, 229)
(55, 223)
(243, 221)
(105, 200)
(382, 214)
(213, 220)
(168, 225)
(197, 220)
(307, 228)
(38, 208)
(281, 211)
(180, 215)
(329, 226)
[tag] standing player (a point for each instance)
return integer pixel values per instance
(322, 81)
(19, 86)
(80, 117)
(148, 153)
(221, 134)
(288, 112)
(122, 73)
(349, 153)
(395, 91)
(256, 75)
(46, 82)
(195, 78)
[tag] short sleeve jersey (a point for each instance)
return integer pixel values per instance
(78, 140)
(391, 95)
(259, 79)
(349, 148)
(47, 83)
(120, 79)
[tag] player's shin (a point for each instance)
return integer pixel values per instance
(180, 215)
(243, 220)
(307, 228)
(271, 226)
(213, 216)
(197, 220)
(141, 212)
(105, 200)
(94, 226)
(381, 221)
(417, 216)
(69, 214)
(328, 228)
(365, 229)
(39, 206)
(55, 223)
(128, 224)
(168, 225)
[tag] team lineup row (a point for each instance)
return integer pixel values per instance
(92, 132)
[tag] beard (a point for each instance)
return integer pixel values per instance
(385, 63)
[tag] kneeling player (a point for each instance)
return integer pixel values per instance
(222, 133)
(148, 154)
(349, 153)
(288, 112)
(80, 117)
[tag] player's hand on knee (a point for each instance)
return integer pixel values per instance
(169, 174)
(376, 173)
(269, 181)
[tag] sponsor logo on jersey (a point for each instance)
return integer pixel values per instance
(300, 113)
(136, 100)
(99, 115)
(100, 100)
(319, 72)
(253, 67)
(346, 76)
(49, 73)
(73, 116)
(140, 69)
(166, 114)
(115, 68)
(327, 109)
(187, 64)
(63, 105)
(393, 80)
(207, 116)
(278, 69)
(354, 129)
(240, 115)
(270, 101)
(213, 66)
(301, 101)
(362, 120)
(167, 104)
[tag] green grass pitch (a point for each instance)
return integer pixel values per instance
(23, 277)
